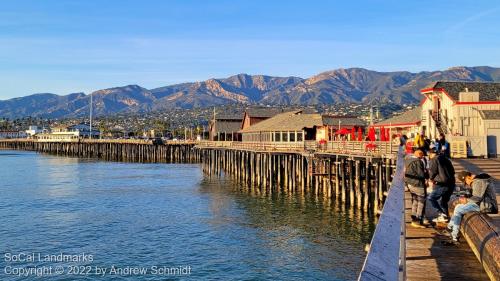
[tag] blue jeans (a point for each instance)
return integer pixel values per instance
(440, 192)
(460, 210)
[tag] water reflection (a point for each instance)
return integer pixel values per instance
(295, 227)
(170, 214)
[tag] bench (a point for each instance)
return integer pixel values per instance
(483, 237)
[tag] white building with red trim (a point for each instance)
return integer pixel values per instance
(464, 111)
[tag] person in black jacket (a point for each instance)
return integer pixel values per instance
(415, 176)
(442, 177)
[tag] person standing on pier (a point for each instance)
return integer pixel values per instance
(443, 146)
(415, 177)
(419, 142)
(483, 200)
(442, 177)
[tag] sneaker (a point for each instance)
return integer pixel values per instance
(417, 224)
(441, 218)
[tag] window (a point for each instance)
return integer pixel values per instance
(292, 136)
(277, 136)
(285, 136)
(299, 136)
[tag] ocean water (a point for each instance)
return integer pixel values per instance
(65, 218)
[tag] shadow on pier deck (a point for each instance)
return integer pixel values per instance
(428, 259)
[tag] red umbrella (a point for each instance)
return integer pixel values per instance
(353, 134)
(360, 134)
(382, 134)
(371, 134)
(387, 135)
(342, 131)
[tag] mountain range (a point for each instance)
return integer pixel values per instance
(356, 85)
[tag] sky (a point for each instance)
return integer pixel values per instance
(67, 46)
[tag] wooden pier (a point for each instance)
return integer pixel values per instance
(359, 179)
(113, 150)
(348, 173)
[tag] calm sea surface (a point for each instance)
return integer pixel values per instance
(166, 215)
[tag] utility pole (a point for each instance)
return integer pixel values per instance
(371, 114)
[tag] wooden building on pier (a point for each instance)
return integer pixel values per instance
(408, 123)
(332, 124)
(225, 128)
(255, 115)
(298, 126)
(293, 126)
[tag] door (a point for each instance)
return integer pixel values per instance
(493, 142)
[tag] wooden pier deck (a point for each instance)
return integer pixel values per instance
(427, 258)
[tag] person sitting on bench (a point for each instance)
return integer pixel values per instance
(483, 200)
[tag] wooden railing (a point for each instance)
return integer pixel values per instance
(261, 146)
(134, 141)
(362, 147)
(365, 148)
(386, 257)
(338, 147)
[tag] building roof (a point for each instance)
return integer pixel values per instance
(228, 126)
(344, 121)
(488, 91)
(412, 116)
(263, 112)
(490, 114)
(287, 121)
(234, 117)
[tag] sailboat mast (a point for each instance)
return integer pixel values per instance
(90, 133)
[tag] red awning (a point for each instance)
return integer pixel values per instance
(342, 131)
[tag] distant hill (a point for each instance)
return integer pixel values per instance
(336, 86)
